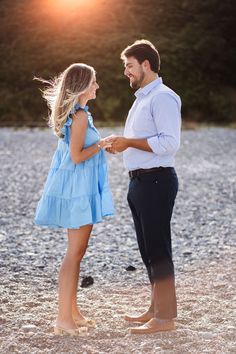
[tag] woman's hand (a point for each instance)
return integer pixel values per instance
(105, 143)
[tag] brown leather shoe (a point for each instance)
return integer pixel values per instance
(154, 325)
(145, 317)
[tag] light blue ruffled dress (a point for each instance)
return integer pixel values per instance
(75, 194)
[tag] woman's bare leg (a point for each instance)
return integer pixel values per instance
(76, 314)
(69, 274)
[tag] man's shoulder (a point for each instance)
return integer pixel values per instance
(164, 91)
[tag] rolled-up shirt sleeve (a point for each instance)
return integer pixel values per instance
(167, 118)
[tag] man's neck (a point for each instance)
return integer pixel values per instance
(148, 79)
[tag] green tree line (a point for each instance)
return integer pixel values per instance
(195, 40)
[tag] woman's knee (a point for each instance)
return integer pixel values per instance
(76, 256)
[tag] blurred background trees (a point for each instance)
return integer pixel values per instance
(41, 38)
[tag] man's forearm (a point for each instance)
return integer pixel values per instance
(120, 143)
(140, 144)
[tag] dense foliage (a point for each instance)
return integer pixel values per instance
(195, 40)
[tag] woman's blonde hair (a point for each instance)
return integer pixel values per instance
(63, 92)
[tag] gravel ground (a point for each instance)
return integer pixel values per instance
(204, 225)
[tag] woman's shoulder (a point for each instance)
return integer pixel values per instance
(79, 114)
(79, 109)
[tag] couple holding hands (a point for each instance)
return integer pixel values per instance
(76, 194)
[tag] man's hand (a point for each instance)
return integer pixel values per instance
(111, 151)
(119, 143)
(108, 141)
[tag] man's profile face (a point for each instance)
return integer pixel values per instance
(134, 71)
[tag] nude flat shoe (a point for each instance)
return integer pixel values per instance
(85, 323)
(142, 318)
(154, 325)
(59, 331)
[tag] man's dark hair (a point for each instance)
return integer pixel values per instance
(143, 50)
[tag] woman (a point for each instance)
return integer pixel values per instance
(76, 193)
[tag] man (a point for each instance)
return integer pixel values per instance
(150, 142)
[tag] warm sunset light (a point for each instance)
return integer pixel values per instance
(70, 4)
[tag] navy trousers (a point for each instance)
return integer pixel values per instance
(151, 198)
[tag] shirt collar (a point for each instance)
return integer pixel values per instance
(146, 89)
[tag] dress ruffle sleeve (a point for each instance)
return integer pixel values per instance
(65, 130)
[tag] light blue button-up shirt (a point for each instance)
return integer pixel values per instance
(155, 115)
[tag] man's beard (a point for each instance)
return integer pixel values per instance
(137, 84)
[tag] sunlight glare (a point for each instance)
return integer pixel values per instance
(69, 4)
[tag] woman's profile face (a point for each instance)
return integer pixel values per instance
(91, 91)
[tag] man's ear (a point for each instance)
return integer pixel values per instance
(146, 65)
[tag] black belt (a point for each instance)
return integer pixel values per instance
(140, 171)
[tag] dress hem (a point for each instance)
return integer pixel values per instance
(43, 224)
